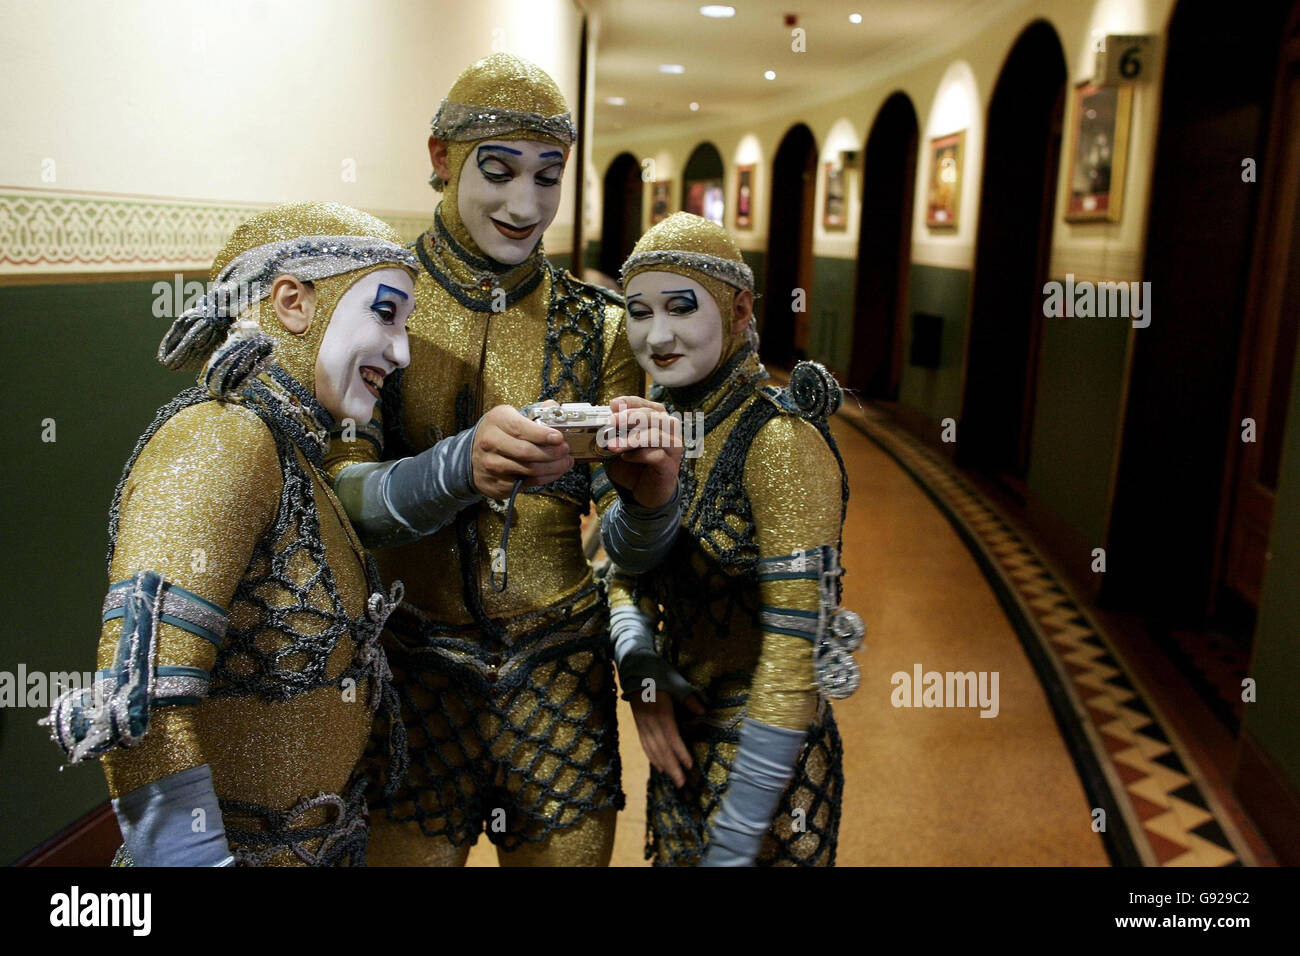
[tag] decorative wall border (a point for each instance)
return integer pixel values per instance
(57, 232)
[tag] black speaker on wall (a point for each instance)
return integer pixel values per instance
(927, 332)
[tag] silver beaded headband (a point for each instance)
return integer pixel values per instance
(246, 280)
(462, 122)
(736, 274)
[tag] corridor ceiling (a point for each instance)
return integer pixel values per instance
(724, 60)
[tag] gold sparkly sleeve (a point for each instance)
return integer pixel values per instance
(621, 376)
(622, 592)
(355, 445)
(200, 496)
(793, 483)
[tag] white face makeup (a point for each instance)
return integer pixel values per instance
(365, 341)
(507, 195)
(674, 327)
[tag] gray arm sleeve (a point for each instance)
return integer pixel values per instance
(765, 762)
(629, 629)
(175, 821)
(394, 502)
(638, 538)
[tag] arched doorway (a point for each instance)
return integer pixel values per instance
(884, 250)
(620, 220)
(784, 328)
(1013, 244)
(702, 183)
(1184, 546)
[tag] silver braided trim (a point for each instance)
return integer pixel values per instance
(463, 122)
(175, 605)
(835, 632)
(246, 280)
(735, 274)
(807, 626)
(166, 686)
(101, 713)
(370, 658)
(801, 564)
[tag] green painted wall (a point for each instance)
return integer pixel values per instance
(1274, 719)
(82, 355)
(936, 392)
(831, 303)
(1076, 418)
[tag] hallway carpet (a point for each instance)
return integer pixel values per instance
(1075, 769)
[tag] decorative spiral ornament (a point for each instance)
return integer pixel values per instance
(848, 629)
(837, 672)
(814, 390)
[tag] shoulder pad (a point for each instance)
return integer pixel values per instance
(813, 392)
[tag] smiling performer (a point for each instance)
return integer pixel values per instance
(240, 656)
(501, 654)
(752, 644)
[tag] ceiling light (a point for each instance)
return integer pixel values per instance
(695, 107)
(671, 68)
(718, 11)
(770, 75)
(616, 101)
(855, 18)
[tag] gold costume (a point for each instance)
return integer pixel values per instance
(224, 499)
(741, 601)
(507, 697)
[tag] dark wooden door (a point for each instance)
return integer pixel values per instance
(1272, 315)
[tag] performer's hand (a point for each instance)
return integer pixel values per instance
(649, 446)
(656, 723)
(508, 446)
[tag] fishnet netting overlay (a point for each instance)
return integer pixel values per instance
(575, 337)
(516, 748)
(325, 830)
(299, 619)
(805, 828)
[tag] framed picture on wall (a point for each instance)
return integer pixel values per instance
(705, 197)
(659, 199)
(943, 199)
(1098, 152)
(744, 197)
(834, 208)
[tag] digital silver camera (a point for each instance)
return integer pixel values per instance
(587, 428)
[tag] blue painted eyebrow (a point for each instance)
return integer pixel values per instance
(388, 289)
(690, 292)
(633, 296)
(553, 152)
(502, 149)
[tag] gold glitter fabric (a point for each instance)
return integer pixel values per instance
(768, 483)
(227, 499)
(199, 505)
(507, 697)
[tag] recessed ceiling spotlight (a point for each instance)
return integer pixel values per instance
(855, 18)
(616, 101)
(671, 68)
(718, 11)
(695, 107)
(770, 75)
